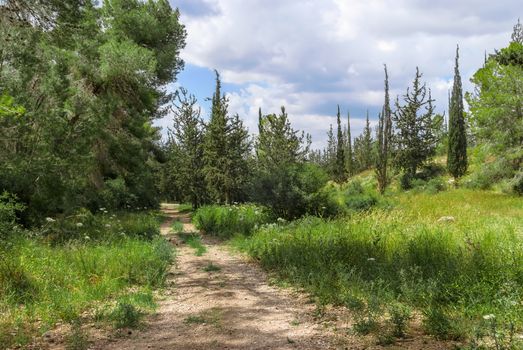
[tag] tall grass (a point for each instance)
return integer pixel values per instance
(463, 268)
(226, 221)
(46, 279)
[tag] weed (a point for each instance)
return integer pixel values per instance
(77, 339)
(177, 226)
(400, 314)
(194, 241)
(210, 267)
(126, 315)
(226, 221)
(195, 319)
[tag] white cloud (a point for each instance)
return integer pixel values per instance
(310, 55)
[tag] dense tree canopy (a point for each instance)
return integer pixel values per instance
(89, 80)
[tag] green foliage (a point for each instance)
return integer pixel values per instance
(457, 142)
(517, 183)
(414, 140)
(76, 339)
(340, 171)
(226, 152)
(125, 315)
(194, 241)
(58, 283)
(184, 169)
(9, 209)
(452, 272)
(400, 314)
(211, 267)
(384, 140)
(80, 86)
(495, 106)
(489, 174)
(226, 221)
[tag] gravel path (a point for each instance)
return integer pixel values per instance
(231, 308)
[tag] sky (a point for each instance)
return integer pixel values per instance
(311, 55)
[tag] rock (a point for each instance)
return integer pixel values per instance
(446, 219)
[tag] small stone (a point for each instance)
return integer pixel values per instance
(446, 219)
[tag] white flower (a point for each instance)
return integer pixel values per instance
(489, 317)
(102, 209)
(79, 224)
(50, 219)
(371, 259)
(87, 238)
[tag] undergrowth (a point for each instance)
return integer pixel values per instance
(71, 264)
(453, 271)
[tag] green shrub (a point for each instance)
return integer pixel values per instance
(226, 221)
(517, 183)
(9, 208)
(400, 314)
(126, 315)
(489, 174)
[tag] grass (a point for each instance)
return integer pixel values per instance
(177, 226)
(453, 273)
(194, 241)
(226, 221)
(210, 267)
(184, 208)
(212, 317)
(46, 280)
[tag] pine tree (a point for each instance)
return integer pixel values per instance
(384, 134)
(350, 156)
(415, 141)
(340, 154)
(457, 148)
(186, 150)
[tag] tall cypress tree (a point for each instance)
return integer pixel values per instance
(215, 147)
(350, 163)
(367, 145)
(384, 135)
(340, 152)
(457, 150)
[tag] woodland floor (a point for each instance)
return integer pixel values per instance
(234, 307)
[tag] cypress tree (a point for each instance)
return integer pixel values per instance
(330, 153)
(340, 154)
(457, 148)
(350, 163)
(384, 134)
(367, 145)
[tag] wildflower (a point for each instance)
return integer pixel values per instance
(50, 219)
(489, 317)
(87, 238)
(371, 259)
(79, 224)
(102, 209)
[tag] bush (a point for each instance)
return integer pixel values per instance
(226, 221)
(489, 174)
(9, 208)
(85, 226)
(517, 183)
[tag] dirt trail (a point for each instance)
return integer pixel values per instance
(233, 308)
